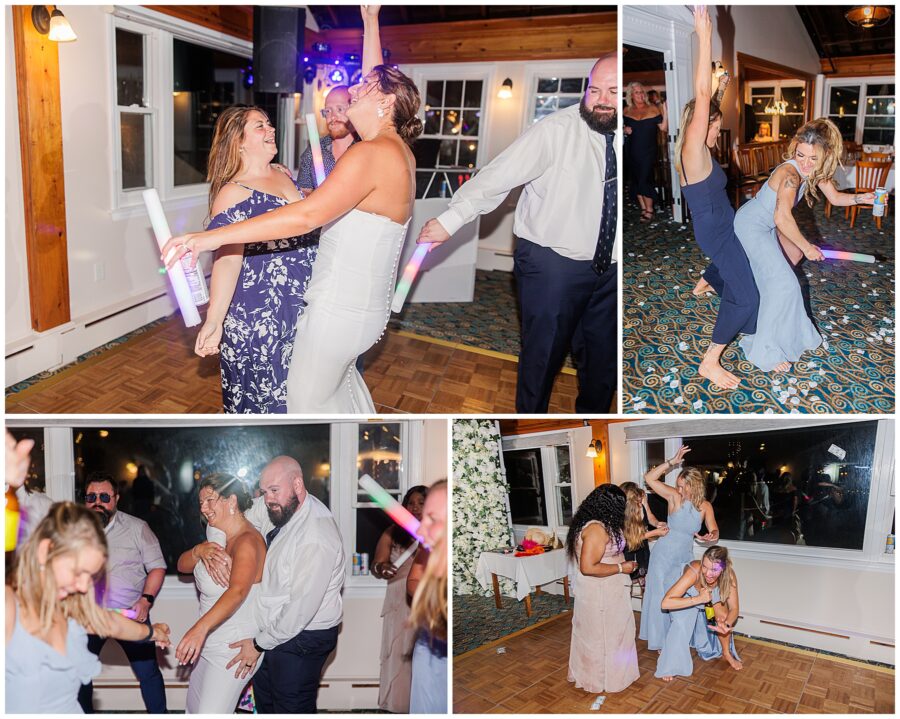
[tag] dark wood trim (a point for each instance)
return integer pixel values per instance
(235, 20)
(858, 66)
(783, 71)
(43, 179)
(557, 37)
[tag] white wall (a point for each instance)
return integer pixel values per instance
(843, 596)
(121, 251)
(435, 452)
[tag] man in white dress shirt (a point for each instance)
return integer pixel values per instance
(566, 277)
(299, 607)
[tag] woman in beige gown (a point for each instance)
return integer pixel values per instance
(603, 656)
(397, 636)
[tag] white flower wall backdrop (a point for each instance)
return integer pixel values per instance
(480, 490)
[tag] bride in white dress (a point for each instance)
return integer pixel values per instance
(364, 206)
(227, 570)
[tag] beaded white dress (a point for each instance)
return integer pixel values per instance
(348, 306)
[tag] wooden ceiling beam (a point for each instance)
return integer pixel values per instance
(858, 66)
(557, 37)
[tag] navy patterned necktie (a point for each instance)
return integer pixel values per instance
(270, 536)
(607, 238)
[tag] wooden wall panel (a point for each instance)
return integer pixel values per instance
(236, 20)
(43, 184)
(599, 430)
(585, 35)
(859, 66)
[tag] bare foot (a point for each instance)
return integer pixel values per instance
(783, 367)
(667, 679)
(736, 664)
(702, 287)
(717, 374)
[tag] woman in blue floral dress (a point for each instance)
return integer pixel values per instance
(256, 293)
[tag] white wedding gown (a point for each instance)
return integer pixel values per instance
(348, 307)
(213, 689)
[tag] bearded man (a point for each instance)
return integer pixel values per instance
(565, 229)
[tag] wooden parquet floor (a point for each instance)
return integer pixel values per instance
(531, 677)
(158, 373)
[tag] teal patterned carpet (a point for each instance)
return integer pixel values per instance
(666, 329)
(476, 621)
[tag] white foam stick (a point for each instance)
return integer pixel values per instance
(409, 275)
(406, 555)
(176, 273)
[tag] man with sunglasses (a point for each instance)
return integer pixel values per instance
(135, 572)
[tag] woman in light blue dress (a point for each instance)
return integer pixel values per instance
(773, 242)
(709, 581)
(688, 510)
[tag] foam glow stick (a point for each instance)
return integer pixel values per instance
(406, 555)
(409, 274)
(396, 511)
(127, 613)
(854, 256)
(316, 146)
(176, 273)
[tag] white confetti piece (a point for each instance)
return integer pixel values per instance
(792, 380)
(678, 400)
(682, 346)
(640, 405)
(769, 411)
(813, 383)
(674, 383)
(792, 390)
(795, 400)
(698, 405)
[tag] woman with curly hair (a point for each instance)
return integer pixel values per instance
(687, 511)
(710, 582)
(768, 232)
(640, 526)
(603, 656)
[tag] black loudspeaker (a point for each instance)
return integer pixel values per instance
(278, 48)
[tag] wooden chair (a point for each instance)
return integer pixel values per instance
(748, 177)
(869, 176)
(876, 157)
(852, 151)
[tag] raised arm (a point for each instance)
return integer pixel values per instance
(654, 478)
(694, 153)
(371, 39)
(349, 183)
(787, 183)
(249, 554)
(594, 540)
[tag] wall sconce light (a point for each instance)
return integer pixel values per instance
(505, 92)
(53, 24)
(594, 449)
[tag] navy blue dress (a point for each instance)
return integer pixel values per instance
(730, 273)
(258, 331)
(642, 151)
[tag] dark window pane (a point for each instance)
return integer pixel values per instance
(872, 136)
(787, 486)
(426, 152)
(795, 97)
(470, 122)
(843, 101)
(468, 153)
(205, 82)
(433, 120)
(571, 84)
(880, 89)
(434, 93)
(765, 91)
(568, 102)
(129, 68)
(880, 106)
(473, 93)
(526, 487)
(158, 469)
(879, 122)
(453, 95)
(788, 125)
(379, 457)
(36, 480)
(548, 84)
(135, 134)
(370, 524)
(447, 156)
(847, 126)
(564, 500)
(452, 122)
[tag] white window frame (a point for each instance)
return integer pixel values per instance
(59, 463)
(159, 31)
(879, 512)
(559, 68)
(546, 442)
(448, 72)
(778, 85)
(861, 83)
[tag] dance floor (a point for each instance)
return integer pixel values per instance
(154, 370)
(529, 676)
(666, 329)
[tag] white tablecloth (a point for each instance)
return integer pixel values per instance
(527, 572)
(845, 178)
